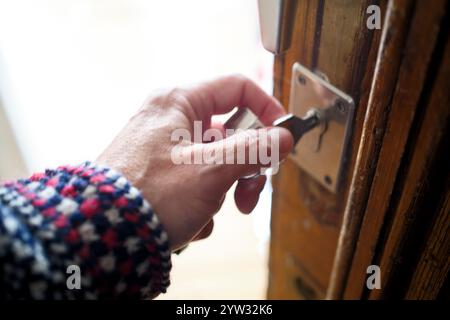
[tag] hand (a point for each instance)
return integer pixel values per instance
(186, 196)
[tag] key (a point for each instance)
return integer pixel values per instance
(244, 118)
(299, 126)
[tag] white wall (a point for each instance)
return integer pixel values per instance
(12, 165)
(73, 71)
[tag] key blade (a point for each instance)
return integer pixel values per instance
(298, 126)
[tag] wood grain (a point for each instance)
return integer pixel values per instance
(400, 109)
(434, 263)
(393, 208)
(329, 36)
(388, 60)
(427, 167)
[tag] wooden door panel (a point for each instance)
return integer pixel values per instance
(323, 40)
(298, 228)
(433, 264)
(424, 181)
(419, 44)
(392, 207)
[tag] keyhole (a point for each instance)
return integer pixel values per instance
(323, 128)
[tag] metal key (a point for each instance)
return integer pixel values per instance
(299, 126)
(244, 118)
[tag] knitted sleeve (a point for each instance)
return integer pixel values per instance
(80, 232)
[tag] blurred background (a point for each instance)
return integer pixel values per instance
(73, 72)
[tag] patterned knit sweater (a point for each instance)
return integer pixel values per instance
(85, 218)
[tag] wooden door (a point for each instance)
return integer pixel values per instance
(392, 208)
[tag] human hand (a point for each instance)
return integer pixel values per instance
(186, 196)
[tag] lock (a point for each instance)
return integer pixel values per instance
(322, 152)
(320, 121)
(244, 118)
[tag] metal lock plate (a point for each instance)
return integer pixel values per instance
(322, 152)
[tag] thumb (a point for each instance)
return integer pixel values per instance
(248, 151)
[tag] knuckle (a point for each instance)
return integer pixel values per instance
(176, 93)
(167, 98)
(239, 77)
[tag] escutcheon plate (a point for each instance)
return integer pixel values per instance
(322, 152)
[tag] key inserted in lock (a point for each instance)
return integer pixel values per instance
(320, 120)
(244, 118)
(322, 153)
(299, 126)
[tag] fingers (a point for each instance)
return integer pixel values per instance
(245, 153)
(205, 232)
(247, 193)
(217, 125)
(222, 95)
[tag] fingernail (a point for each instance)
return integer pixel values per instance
(274, 131)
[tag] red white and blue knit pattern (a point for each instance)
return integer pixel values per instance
(89, 216)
